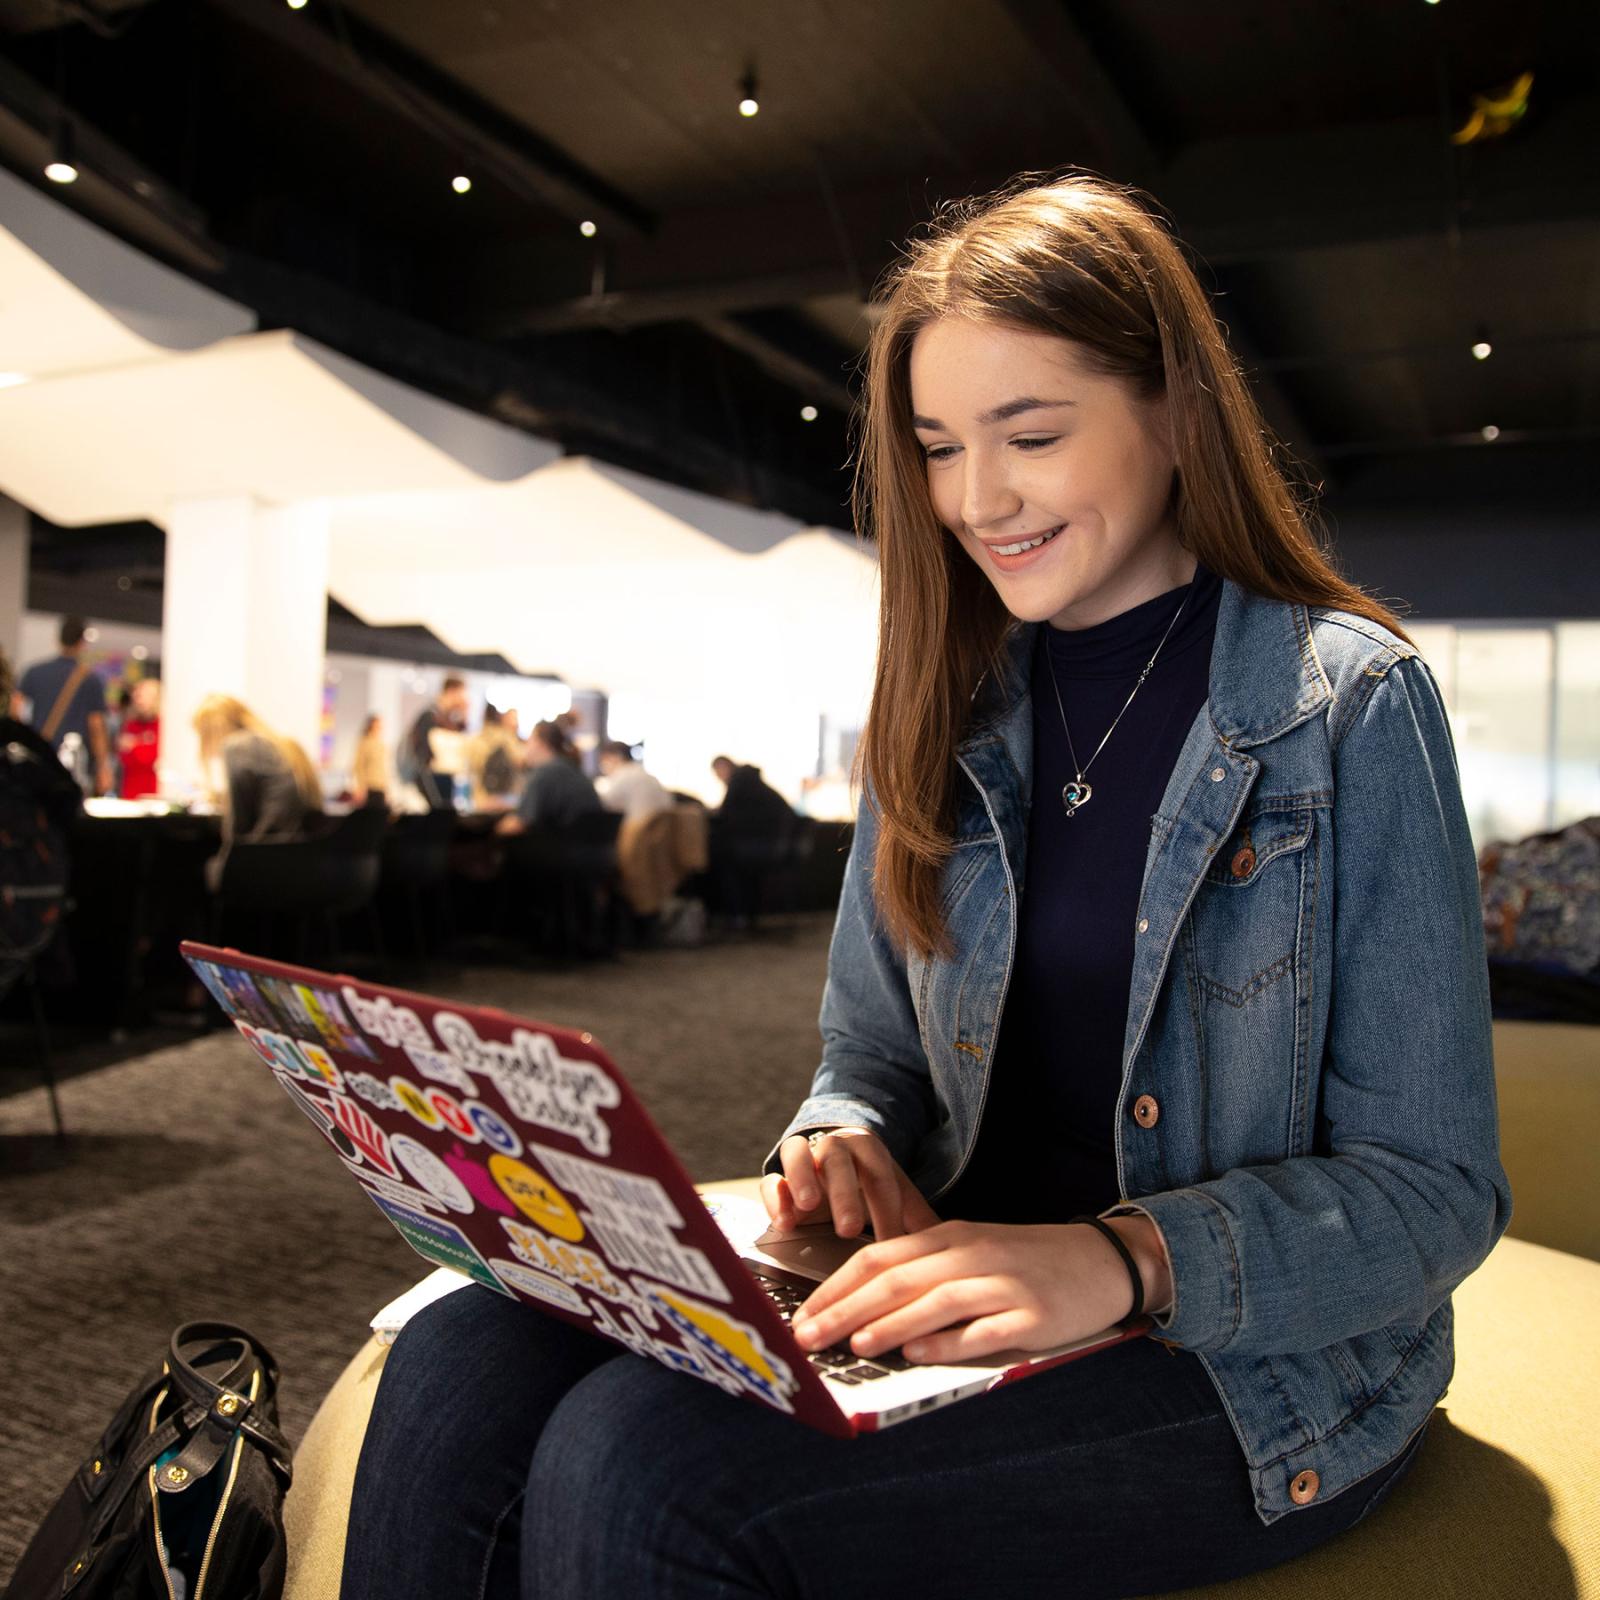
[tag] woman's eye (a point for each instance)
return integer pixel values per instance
(940, 452)
(1036, 443)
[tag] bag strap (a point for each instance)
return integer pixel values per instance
(217, 1409)
(63, 700)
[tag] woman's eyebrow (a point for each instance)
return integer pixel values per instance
(1003, 413)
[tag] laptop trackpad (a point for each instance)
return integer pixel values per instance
(813, 1252)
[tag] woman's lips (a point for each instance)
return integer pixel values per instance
(1015, 563)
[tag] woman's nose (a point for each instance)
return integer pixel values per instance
(987, 496)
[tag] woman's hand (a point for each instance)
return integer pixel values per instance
(848, 1175)
(964, 1290)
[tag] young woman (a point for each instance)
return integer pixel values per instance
(1157, 983)
(265, 781)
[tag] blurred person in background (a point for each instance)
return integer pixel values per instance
(139, 741)
(750, 805)
(625, 786)
(39, 802)
(264, 781)
(67, 702)
(372, 771)
(418, 762)
(494, 762)
(555, 793)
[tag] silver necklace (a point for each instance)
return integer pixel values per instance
(1076, 794)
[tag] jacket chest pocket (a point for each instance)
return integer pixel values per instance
(1247, 915)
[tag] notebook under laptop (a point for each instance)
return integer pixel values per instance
(516, 1153)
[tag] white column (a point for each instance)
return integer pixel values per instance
(13, 580)
(244, 613)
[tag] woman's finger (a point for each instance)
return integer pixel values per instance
(778, 1198)
(983, 1336)
(942, 1305)
(866, 1265)
(800, 1168)
(842, 1185)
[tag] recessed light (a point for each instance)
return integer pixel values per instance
(1491, 433)
(808, 413)
(461, 183)
(1482, 350)
(587, 228)
(61, 172)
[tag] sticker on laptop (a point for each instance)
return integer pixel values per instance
(439, 1241)
(565, 1094)
(398, 1192)
(530, 1281)
(575, 1266)
(430, 1171)
(631, 1217)
(728, 1343)
(536, 1197)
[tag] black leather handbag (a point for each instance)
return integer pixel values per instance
(182, 1498)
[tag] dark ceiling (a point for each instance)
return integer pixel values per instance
(301, 160)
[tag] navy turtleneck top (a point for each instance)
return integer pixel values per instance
(1045, 1150)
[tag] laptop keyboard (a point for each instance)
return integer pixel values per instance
(838, 1361)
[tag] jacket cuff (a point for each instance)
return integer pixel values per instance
(1205, 1309)
(826, 1111)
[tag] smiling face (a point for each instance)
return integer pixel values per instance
(1026, 443)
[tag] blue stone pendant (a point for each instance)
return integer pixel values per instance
(1075, 794)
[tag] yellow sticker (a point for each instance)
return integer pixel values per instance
(536, 1197)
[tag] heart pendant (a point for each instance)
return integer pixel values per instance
(1075, 795)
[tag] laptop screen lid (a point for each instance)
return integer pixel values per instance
(516, 1153)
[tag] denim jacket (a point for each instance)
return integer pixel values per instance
(1307, 1107)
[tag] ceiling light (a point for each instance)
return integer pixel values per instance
(300, 5)
(90, 635)
(748, 103)
(9, 380)
(461, 183)
(140, 652)
(808, 413)
(586, 228)
(63, 164)
(1491, 433)
(1482, 350)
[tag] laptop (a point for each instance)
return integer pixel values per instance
(515, 1153)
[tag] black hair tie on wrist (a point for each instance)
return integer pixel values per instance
(1105, 1229)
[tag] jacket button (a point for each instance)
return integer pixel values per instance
(1304, 1488)
(1146, 1111)
(1217, 774)
(1144, 924)
(1244, 862)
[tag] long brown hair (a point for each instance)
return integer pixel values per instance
(220, 715)
(1085, 260)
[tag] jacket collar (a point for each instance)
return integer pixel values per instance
(1265, 674)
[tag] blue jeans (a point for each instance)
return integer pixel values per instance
(512, 1456)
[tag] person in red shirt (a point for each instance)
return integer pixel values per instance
(140, 741)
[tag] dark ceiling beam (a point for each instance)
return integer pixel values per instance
(113, 188)
(642, 308)
(1256, 199)
(1233, 201)
(370, 61)
(799, 375)
(1126, 150)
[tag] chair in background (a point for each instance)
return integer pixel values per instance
(416, 871)
(566, 882)
(319, 879)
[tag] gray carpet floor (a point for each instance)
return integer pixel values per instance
(191, 1188)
